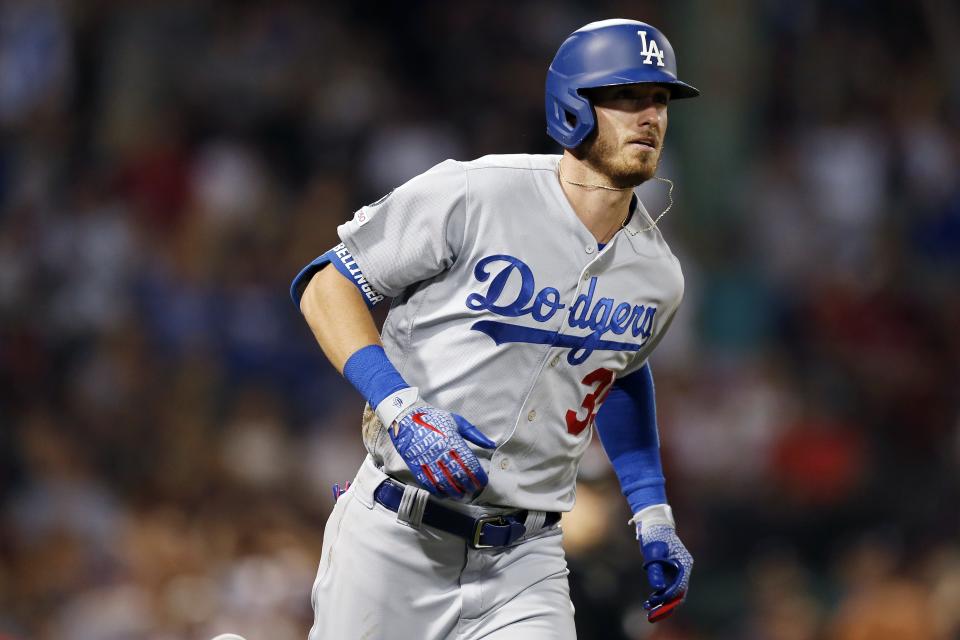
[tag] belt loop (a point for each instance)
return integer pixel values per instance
(412, 505)
(368, 479)
(534, 521)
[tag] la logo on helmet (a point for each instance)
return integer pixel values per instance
(650, 50)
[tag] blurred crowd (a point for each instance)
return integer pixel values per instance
(169, 431)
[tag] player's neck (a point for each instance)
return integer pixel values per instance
(601, 210)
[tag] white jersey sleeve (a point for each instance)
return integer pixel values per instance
(411, 234)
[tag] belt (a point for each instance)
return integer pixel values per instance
(481, 533)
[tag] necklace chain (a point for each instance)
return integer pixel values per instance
(623, 223)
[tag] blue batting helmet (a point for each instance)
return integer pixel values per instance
(603, 54)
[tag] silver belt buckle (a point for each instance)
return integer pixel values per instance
(478, 530)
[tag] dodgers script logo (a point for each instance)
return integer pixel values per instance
(602, 316)
(650, 50)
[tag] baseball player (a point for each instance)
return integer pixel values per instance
(528, 292)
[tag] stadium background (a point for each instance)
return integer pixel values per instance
(170, 431)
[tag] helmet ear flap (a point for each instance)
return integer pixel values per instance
(570, 117)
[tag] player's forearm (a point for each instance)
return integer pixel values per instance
(338, 316)
(340, 320)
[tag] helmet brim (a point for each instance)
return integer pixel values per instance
(678, 89)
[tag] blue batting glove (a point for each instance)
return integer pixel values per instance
(666, 561)
(433, 443)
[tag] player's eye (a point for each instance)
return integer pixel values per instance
(662, 98)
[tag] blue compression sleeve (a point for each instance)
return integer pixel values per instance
(372, 373)
(627, 425)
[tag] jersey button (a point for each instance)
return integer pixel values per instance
(504, 464)
(532, 416)
(555, 361)
(590, 248)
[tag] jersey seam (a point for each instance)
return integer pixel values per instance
(526, 398)
(407, 347)
(505, 166)
(466, 207)
(357, 250)
(496, 166)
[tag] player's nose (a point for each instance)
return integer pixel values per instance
(649, 116)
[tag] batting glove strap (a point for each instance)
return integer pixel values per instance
(395, 404)
(652, 516)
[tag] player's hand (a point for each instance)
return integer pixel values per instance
(667, 562)
(433, 444)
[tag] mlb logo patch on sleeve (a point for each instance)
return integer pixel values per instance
(363, 216)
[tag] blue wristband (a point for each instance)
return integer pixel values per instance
(627, 425)
(374, 376)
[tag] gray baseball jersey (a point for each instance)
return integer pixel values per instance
(506, 312)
